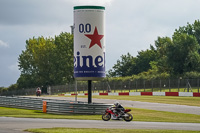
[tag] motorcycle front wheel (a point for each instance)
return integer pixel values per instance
(106, 117)
(128, 117)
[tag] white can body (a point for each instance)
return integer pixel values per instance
(89, 42)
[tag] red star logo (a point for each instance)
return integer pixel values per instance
(95, 38)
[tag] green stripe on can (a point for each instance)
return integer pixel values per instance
(89, 7)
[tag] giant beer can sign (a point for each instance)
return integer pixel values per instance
(89, 42)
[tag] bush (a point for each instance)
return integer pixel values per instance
(191, 75)
(13, 87)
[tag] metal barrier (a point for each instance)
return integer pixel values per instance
(53, 106)
(21, 102)
(73, 107)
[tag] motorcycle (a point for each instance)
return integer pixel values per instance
(109, 114)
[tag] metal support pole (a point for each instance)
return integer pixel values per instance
(103, 87)
(160, 85)
(169, 86)
(89, 91)
(83, 88)
(114, 86)
(178, 84)
(188, 85)
(121, 86)
(136, 85)
(198, 85)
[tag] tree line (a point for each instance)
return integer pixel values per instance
(46, 61)
(49, 61)
(178, 56)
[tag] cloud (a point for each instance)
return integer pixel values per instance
(93, 2)
(14, 67)
(41, 12)
(131, 25)
(3, 44)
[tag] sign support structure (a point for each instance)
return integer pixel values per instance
(89, 91)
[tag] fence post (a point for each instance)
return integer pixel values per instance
(83, 88)
(188, 85)
(152, 85)
(121, 86)
(103, 87)
(136, 85)
(93, 87)
(68, 85)
(114, 86)
(169, 86)
(198, 84)
(160, 85)
(144, 85)
(99, 86)
(178, 83)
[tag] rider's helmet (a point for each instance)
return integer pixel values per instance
(116, 104)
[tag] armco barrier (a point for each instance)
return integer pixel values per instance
(63, 107)
(187, 94)
(21, 102)
(53, 106)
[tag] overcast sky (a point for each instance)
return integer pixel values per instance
(131, 25)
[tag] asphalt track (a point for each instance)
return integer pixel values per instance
(143, 105)
(17, 125)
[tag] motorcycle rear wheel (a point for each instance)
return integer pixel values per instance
(128, 117)
(106, 117)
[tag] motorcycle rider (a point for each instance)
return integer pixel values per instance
(38, 91)
(118, 109)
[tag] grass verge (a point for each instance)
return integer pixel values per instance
(138, 115)
(23, 113)
(93, 130)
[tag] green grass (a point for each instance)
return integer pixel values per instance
(138, 115)
(163, 116)
(23, 113)
(191, 101)
(93, 130)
